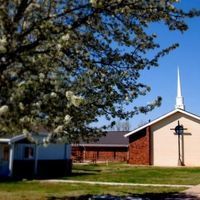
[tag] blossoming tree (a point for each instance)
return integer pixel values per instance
(65, 63)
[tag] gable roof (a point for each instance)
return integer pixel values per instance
(111, 139)
(16, 138)
(13, 139)
(161, 118)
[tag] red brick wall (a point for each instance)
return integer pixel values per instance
(140, 147)
(99, 153)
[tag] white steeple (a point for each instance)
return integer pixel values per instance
(179, 98)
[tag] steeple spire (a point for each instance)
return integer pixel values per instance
(179, 98)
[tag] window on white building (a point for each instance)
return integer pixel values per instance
(28, 152)
(6, 152)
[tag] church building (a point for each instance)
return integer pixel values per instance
(170, 140)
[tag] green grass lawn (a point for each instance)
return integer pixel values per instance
(132, 174)
(36, 190)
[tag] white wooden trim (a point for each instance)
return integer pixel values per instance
(4, 140)
(161, 118)
(11, 158)
(13, 139)
(17, 138)
(36, 159)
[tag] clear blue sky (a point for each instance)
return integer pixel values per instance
(162, 80)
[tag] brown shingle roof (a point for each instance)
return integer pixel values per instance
(112, 138)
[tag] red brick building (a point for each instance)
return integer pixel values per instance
(140, 146)
(111, 147)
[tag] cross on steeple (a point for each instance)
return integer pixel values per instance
(179, 98)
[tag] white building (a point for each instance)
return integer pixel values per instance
(21, 158)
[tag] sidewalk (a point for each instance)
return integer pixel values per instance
(114, 183)
(192, 193)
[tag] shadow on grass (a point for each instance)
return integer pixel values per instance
(84, 172)
(80, 174)
(9, 180)
(146, 196)
(88, 170)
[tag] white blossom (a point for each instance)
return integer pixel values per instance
(41, 76)
(65, 37)
(21, 83)
(53, 94)
(68, 94)
(127, 98)
(3, 59)
(2, 49)
(58, 129)
(3, 109)
(25, 119)
(69, 26)
(38, 104)
(17, 1)
(3, 43)
(45, 142)
(34, 77)
(67, 119)
(58, 47)
(74, 99)
(21, 106)
(26, 133)
(93, 2)
(32, 6)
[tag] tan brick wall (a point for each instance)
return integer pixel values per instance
(139, 147)
(165, 141)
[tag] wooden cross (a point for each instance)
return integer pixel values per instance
(179, 130)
